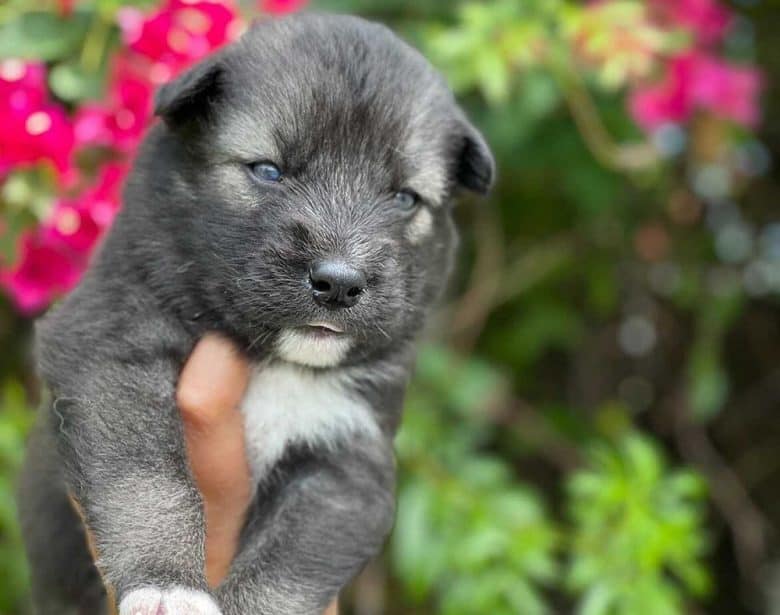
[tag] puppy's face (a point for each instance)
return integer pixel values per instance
(312, 165)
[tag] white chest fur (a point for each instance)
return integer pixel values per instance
(287, 405)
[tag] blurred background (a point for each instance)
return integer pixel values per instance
(594, 423)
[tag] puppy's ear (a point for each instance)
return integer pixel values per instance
(192, 95)
(475, 167)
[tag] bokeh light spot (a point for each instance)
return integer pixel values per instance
(637, 336)
(734, 243)
(12, 69)
(38, 123)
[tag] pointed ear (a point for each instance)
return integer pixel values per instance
(475, 168)
(192, 95)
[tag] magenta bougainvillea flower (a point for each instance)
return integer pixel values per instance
(729, 91)
(22, 84)
(667, 101)
(121, 120)
(180, 32)
(44, 271)
(78, 223)
(281, 7)
(37, 134)
(697, 80)
(157, 46)
(34, 129)
(708, 20)
(53, 256)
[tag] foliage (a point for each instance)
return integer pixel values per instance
(475, 540)
(466, 533)
(15, 420)
(637, 539)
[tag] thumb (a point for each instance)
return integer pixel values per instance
(210, 390)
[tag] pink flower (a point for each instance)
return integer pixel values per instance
(104, 199)
(131, 22)
(281, 7)
(79, 223)
(668, 101)
(181, 31)
(122, 121)
(34, 130)
(22, 84)
(160, 46)
(729, 91)
(54, 256)
(49, 134)
(90, 125)
(71, 227)
(36, 134)
(45, 270)
(132, 97)
(698, 81)
(709, 20)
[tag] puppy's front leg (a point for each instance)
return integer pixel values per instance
(122, 444)
(312, 534)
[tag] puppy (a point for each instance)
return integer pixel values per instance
(295, 197)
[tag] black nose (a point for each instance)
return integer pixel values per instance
(336, 284)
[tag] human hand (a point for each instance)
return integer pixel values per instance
(210, 389)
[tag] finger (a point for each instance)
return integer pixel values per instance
(210, 390)
(212, 382)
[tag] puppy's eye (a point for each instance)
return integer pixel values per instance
(265, 172)
(406, 200)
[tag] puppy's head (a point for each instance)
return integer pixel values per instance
(308, 171)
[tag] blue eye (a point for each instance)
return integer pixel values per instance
(266, 172)
(406, 200)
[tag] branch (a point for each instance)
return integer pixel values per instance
(627, 157)
(529, 424)
(493, 285)
(476, 304)
(748, 526)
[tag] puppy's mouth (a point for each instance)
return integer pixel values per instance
(316, 344)
(322, 330)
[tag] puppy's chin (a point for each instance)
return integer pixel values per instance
(312, 347)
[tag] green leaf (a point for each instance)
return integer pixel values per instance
(709, 386)
(412, 551)
(637, 531)
(42, 36)
(494, 76)
(468, 536)
(70, 82)
(597, 601)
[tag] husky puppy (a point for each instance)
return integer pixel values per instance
(296, 197)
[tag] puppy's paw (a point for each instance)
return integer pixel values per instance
(144, 601)
(181, 601)
(177, 601)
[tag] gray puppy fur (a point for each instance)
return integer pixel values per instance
(372, 148)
